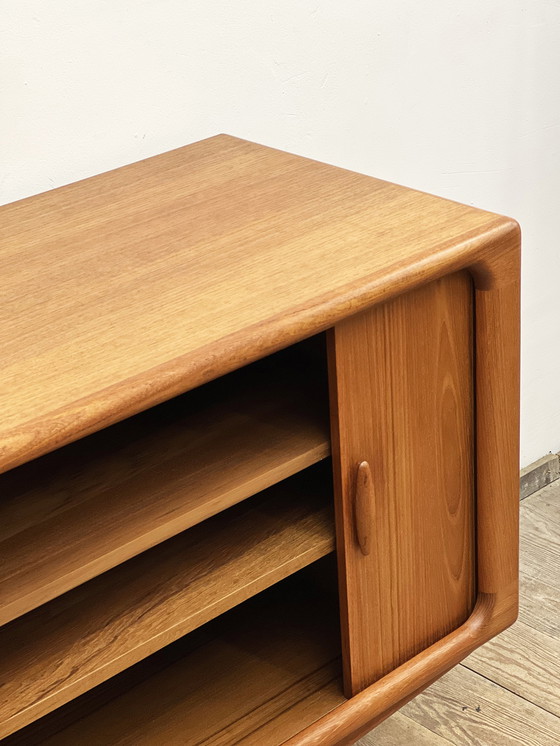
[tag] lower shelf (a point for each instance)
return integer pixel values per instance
(64, 648)
(256, 675)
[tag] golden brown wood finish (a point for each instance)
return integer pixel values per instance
(364, 508)
(403, 401)
(121, 291)
(255, 676)
(86, 508)
(496, 276)
(171, 272)
(91, 633)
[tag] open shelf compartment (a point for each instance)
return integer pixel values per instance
(89, 634)
(89, 506)
(255, 676)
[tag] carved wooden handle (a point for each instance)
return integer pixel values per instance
(363, 507)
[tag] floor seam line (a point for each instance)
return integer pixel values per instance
(507, 689)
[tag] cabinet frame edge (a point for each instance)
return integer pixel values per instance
(495, 269)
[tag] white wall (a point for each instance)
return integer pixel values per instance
(459, 99)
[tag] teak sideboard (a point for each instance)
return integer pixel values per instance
(259, 450)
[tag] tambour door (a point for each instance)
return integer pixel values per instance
(402, 402)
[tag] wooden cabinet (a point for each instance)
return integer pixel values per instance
(259, 450)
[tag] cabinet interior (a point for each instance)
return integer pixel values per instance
(162, 549)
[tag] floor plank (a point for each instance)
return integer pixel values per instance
(538, 525)
(525, 661)
(546, 501)
(467, 709)
(399, 730)
(539, 549)
(539, 606)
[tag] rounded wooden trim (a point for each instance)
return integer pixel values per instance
(174, 377)
(497, 290)
(351, 720)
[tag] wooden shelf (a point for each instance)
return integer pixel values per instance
(70, 645)
(255, 676)
(80, 511)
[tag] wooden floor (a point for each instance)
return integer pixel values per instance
(508, 691)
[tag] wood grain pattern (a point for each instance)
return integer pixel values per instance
(524, 661)
(547, 503)
(497, 305)
(539, 606)
(403, 401)
(539, 540)
(364, 508)
(176, 270)
(82, 510)
(542, 530)
(91, 633)
(247, 683)
(497, 334)
(172, 271)
(497, 319)
(400, 730)
(467, 709)
(539, 602)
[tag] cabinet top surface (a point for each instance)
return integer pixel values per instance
(127, 288)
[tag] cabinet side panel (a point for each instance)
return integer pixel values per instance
(401, 378)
